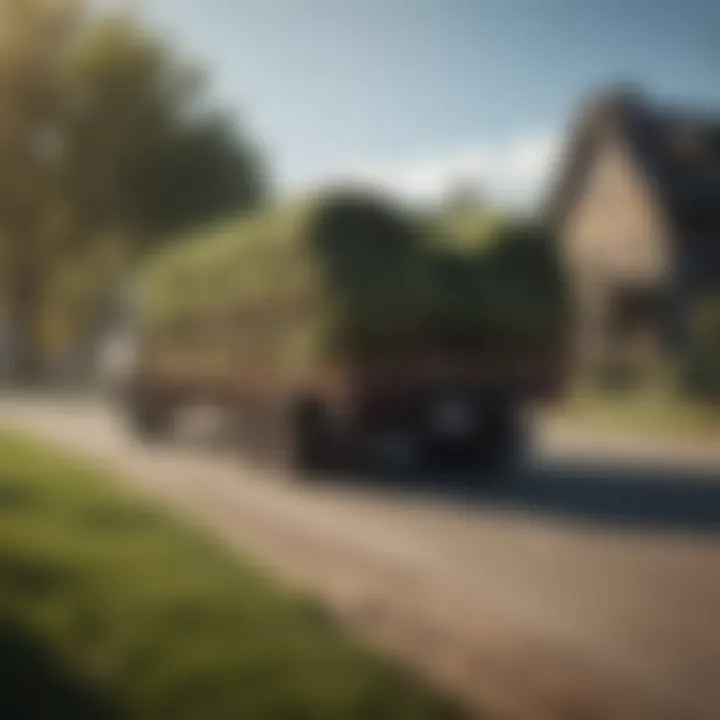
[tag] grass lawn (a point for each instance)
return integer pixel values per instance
(111, 609)
(649, 414)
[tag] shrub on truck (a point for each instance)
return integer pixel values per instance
(298, 284)
(502, 277)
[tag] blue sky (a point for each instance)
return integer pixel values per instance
(416, 92)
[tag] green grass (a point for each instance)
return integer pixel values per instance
(659, 414)
(111, 609)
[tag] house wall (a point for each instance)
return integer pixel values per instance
(614, 236)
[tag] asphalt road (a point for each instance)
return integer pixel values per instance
(586, 587)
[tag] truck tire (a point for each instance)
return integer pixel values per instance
(509, 445)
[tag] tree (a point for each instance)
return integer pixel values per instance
(104, 139)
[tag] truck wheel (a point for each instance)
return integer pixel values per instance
(509, 447)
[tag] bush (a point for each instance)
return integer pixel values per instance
(504, 287)
(703, 364)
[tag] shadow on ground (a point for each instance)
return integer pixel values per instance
(34, 685)
(628, 496)
(623, 496)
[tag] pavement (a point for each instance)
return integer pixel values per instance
(588, 586)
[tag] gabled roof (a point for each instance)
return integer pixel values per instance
(678, 151)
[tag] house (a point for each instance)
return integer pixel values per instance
(636, 209)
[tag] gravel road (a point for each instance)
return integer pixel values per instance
(588, 587)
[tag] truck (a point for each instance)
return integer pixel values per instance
(342, 331)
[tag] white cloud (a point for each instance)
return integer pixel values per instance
(514, 171)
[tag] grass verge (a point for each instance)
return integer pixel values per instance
(111, 609)
(651, 414)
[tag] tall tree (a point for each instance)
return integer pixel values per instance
(105, 138)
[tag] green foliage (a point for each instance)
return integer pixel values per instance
(703, 366)
(657, 410)
(501, 280)
(706, 325)
(348, 274)
(199, 172)
(526, 282)
(472, 228)
(103, 135)
(318, 276)
(115, 611)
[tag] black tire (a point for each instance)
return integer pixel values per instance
(498, 448)
(508, 448)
